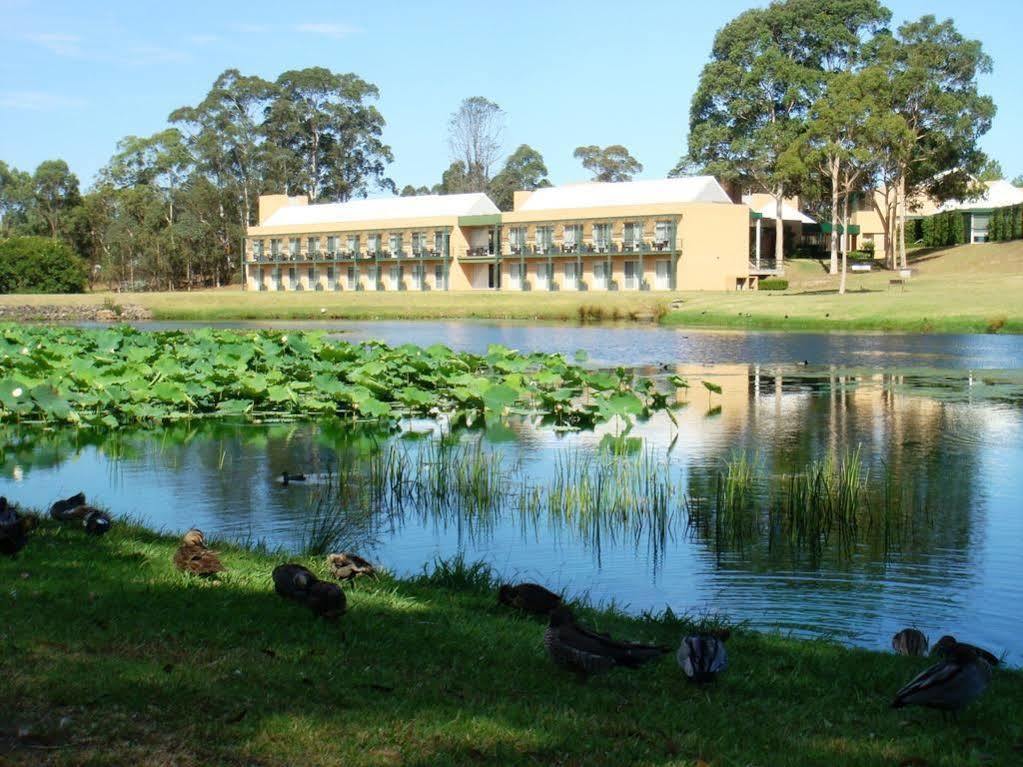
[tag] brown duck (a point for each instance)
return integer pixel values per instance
(910, 642)
(529, 597)
(14, 529)
(194, 558)
(347, 566)
(587, 652)
(297, 583)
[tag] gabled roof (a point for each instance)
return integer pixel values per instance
(382, 209)
(596, 194)
(999, 194)
(788, 213)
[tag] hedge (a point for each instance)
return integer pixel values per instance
(40, 265)
(774, 283)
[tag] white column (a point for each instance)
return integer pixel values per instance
(758, 244)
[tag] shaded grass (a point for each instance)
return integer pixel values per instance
(146, 666)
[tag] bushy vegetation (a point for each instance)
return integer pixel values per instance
(939, 230)
(109, 377)
(1006, 224)
(40, 265)
(774, 283)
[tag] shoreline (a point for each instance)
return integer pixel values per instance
(422, 670)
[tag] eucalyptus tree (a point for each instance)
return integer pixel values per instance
(611, 163)
(931, 74)
(768, 67)
(15, 198)
(333, 132)
(474, 137)
(523, 170)
(56, 194)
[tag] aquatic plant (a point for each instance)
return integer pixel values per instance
(67, 375)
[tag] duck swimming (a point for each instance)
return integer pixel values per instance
(948, 685)
(702, 657)
(194, 558)
(529, 597)
(346, 566)
(910, 642)
(287, 478)
(14, 529)
(587, 652)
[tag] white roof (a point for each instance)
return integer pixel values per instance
(382, 209)
(999, 194)
(788, 213)
(595, 194)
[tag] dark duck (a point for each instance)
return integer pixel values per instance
(297, 583)
(14, 529)
(586, 652)
(75, 509)
(961, 677)
(529, 597)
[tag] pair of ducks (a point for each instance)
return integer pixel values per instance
(327, 600)
(701, 656)
(958, 678)
(75, 509)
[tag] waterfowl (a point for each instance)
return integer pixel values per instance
(292, 581)
(61, 510)
(702, 657)
(944, 647)
(587, 652)
(346, 566)
(529, 597)
(949, 684)
(14, 529)
(287, 478)
(327, 600)
(910, 642)
(194, 558)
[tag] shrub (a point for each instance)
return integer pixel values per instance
(40, 265)
(774, 283)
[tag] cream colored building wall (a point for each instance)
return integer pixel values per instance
(714, 240)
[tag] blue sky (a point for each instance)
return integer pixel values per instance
(77, 76)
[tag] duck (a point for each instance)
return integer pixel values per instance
(910, 642)
(347, 566)
(287, 478)
(703, 656)
(194, 558)
(327, 600)
(587, 652)
(14, 528)
(529, 597)
(944, 646)
(60, 509)
(297, 583)
(961, 677)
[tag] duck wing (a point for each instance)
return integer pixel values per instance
(293, 581)
(702, 657)
(990, 658)
(631, 654)
(569, 654)
(60, 509)
(946, 685)
(197, 560)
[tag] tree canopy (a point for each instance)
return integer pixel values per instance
(523, 170)
(610, 163)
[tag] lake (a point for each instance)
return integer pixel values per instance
(937, 420)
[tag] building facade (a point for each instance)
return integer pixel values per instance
(671, 234)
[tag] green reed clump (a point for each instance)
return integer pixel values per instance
(456, 573)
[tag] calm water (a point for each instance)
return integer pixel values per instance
(942, 414)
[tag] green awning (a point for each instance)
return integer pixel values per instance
(486, 219)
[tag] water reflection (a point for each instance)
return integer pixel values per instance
(953, 461)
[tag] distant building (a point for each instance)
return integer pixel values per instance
(670, 234)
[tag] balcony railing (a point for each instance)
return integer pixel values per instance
(612, 247)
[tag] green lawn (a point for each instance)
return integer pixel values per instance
(971, 288)
(111, 657)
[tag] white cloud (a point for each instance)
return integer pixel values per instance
(204, 39)
(59, 43)
(38, 101)
(327, 29)
(154, 54)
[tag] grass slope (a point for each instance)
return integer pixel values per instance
(109, 656)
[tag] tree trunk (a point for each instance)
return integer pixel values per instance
(779, 230)
(902, 222)
(833, 265)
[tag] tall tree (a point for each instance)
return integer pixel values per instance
(767, 67)
(56, 194)
(16, 199)
(991, 170)
(610, 163)
(523, 170)
(333, 132)
(474, 136)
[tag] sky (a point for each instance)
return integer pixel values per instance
(75, 77)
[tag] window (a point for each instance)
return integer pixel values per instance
(631, 275)
(353, 243)
(662, 231)
(294, 246)
(371, 278)
(275, 248)
(277, 278)
(395, 277)
(542, 276)
(979, 223)
(438, 276)
(418, 242)
(571, 278)
(517, 238)
(417, 276)
(292, 277)
(332, 244)
(257, 277)
(601, 236)
(600, 275)
(373, 243)
(353, 277)
(438, 242)
(257, 249)
(312, 276)
(544, 238)
(633, 235)
(573, 236)
(396, 244)
(331, 281)
(313, 246)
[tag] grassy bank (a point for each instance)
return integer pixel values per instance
(971, 288)
(112, 657)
